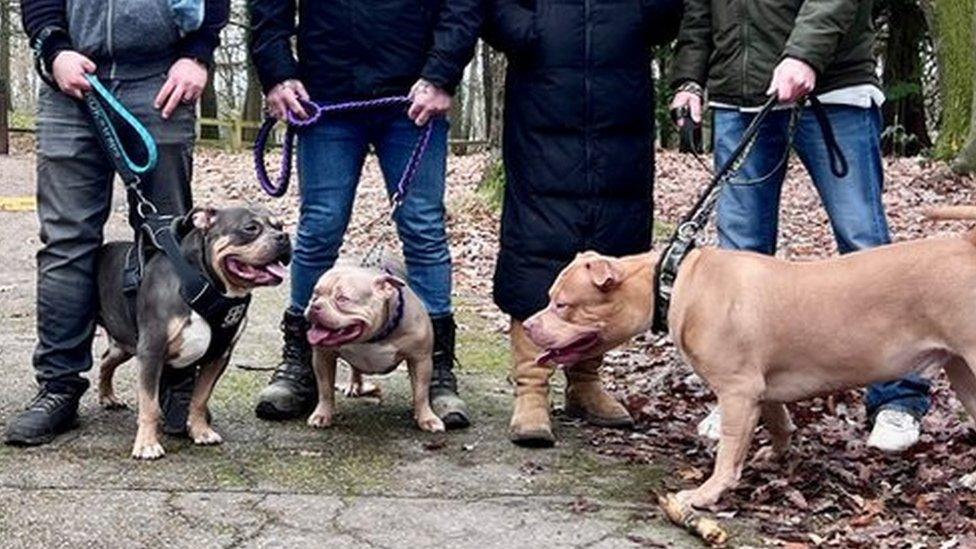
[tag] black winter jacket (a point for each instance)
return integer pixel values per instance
(359, 49)
(578, 139)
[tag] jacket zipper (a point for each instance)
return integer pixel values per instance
(109, 28)
(586, 93)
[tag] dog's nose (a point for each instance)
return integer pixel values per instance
(282, 238)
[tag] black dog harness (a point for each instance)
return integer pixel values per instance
(683, 239)
(162, 233)
(222, 313)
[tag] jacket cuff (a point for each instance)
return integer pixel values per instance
(437, 75)
(200, 47)
(276, 74)
(47, 45)
(797, 53)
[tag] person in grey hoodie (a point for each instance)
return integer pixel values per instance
(154, 55)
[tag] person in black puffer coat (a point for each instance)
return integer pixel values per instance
(579, 162)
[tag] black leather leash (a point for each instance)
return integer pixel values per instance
(682, 240)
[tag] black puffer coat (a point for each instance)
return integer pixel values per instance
(578, 140)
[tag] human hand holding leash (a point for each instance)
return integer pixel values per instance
(69, 69)
(287, 97)
(428, 101)
(792, 79)
(687, 100)
(184, 83)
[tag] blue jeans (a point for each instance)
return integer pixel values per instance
(748, 209)
(330, 161)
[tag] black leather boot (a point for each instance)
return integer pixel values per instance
(53, 410)
(175, 392)
(444, 399)
(292, 392)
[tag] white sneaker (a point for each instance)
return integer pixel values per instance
(894, 431)
(711, 426)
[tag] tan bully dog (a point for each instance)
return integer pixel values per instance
(373, 321)
(763, 332)
(235, 250)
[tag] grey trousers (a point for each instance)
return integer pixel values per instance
(74, 197)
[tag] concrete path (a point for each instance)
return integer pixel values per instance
(373, 480)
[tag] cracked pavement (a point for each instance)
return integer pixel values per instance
(373, 480)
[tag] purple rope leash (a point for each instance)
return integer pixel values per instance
(280, 185)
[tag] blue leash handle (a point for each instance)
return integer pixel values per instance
(96, 101)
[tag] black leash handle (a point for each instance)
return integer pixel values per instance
(838, 162)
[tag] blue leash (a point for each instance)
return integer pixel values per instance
(97, 101)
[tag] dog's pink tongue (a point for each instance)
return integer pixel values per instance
(316, 335)
(545, 357)
(277, 269)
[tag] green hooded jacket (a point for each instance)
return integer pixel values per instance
(732, 46)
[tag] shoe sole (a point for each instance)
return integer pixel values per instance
(16, 439)
(611, 423)
(269, 412)
(533, 439)
(456, 420)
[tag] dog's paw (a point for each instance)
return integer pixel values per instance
(431, 424)
(361, 390)
(111, 402)
(206, 437)
(700, 498)
(767, 456)
(320, 420)
(148, 451)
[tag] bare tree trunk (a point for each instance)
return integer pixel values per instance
(253, 110)
(905, 105)
(950, 22)
(487, 85)
(965, 161)
(496, 67)
(4, 76)
(208, 109)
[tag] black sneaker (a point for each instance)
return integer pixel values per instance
(53, 411)
(292, 391)
(444, 399)
(175, 393)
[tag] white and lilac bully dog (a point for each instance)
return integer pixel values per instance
(373, 321)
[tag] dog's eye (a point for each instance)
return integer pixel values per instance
(342, 299)
(561, 306)
(252, 228)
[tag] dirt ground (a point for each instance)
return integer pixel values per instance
(373, 480)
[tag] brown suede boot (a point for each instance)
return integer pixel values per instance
(530, 424)
(586, 398)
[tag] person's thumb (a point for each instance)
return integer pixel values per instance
(88, 65)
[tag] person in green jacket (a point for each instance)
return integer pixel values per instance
(741, 53)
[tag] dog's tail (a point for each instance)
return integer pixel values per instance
(951, 213)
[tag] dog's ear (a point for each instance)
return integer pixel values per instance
(202, 218)
(604, 274)
(386, 285)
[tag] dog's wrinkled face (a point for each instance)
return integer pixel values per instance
(247, 246)
(349, 305)
(583, 317)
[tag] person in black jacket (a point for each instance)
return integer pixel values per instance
(579, 163)
(354, 50)
(154, 55)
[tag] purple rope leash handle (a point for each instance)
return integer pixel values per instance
(280, 186)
